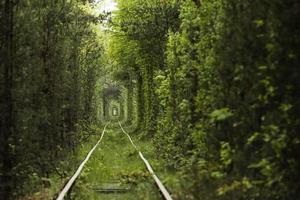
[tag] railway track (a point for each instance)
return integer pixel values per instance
(71, 182)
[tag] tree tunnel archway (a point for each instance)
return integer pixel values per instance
(113, 106)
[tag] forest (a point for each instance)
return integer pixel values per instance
(208, 89)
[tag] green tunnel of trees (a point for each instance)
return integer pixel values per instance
(214, 85)
(112, 99)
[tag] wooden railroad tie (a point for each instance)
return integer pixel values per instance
(111, 187)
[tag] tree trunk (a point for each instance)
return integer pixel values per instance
(129, 102)
(6, 126)
(140, 102)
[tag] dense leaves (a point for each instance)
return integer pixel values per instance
(214, 84)
(220, 91)
(49, 67)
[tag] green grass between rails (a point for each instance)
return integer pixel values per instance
(115, 160)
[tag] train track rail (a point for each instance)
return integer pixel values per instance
(72, 180)
(159, 184)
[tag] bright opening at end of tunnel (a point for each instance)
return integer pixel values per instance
(106, 5)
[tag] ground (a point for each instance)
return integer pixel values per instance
(115, 171)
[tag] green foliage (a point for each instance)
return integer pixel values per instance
(226, 92)
(220, 114)
(137, 47)
(213, 83)
(48, 82)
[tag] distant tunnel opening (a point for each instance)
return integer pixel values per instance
(113, 107)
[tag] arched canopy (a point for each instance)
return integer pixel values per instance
(112, 97)
(112, 91)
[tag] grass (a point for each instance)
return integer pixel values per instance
(115, 163)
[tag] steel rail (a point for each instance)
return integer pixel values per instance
(159, 184)
(70, 183)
